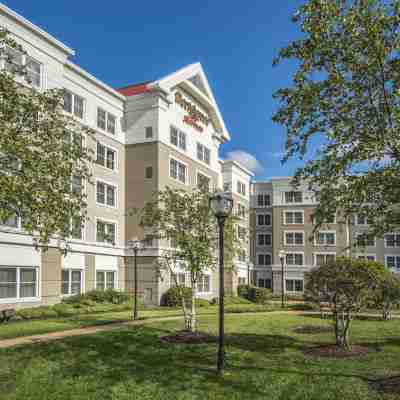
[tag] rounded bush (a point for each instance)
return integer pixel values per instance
(260, 295)
(202, 303)
(231, 300)
(172, 297)
(65, 310)
(243, 291)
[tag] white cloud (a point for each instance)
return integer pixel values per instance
(246, 159)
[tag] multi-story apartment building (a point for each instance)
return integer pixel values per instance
(281, 220)
(147, 136)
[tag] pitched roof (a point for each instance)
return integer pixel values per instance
(135, 89)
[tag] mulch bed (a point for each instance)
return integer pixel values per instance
(188, 337)
(312, 329)
(387, 385)
(334, 351)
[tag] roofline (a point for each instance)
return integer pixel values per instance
(240, 166)
(36, 29)
(96, 81)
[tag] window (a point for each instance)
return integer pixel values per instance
(241, 281)
(294, 238)
(364, 240)
(325, 238)
(106, 121)
(293, 197)
(149, 172)
(106, 194)
(105, 280)
(265, 283)
(203, 153)
(294, 217)
(71, 281)
(73, 104)
(264, 259)
(77, 184)
(242, 256)
(203, 284)
(241, 188)
(203, 182)
(321, 259)
(14, 60)
(178, 138)
(294, 258)
(106, 157)
(33, 72)
(263, 200)
(148, 241)
(264, 239)
(393, 262)
(179, 277)
(241, 232)
(294, 285)
(392, 240)
(177, 170)
(105, 232)
(12, 222)
(77, 228)
(366, 257)
(148, 132)
(264, 219)
(227, 187)
(241, 211)
(361, 220)
(18, 282)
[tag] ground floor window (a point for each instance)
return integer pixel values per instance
(18, 282)
(294, 285)
(393, 262)
(71, 281)
(265, 283)
(105, 280)
(203, 284)
(179, 277)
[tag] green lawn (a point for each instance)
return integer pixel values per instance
(265, 361)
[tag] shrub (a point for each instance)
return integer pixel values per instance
(243, 291)
(100, 296)
(202, 303)
(65, 310)
(259, 295)
(231, 300)
(304, 307)
(247, 308)
(37, 312)
(172, 297)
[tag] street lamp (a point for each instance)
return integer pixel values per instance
(221, 204)
(282, 258)
(135, 244)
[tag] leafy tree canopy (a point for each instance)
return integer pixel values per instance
(41, 151)
(345, 98)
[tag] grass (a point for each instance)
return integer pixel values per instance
(265, 360)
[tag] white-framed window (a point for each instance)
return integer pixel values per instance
(293, 217)
(264, 200)
(323, 258)
(74, 104)
(203, 181)
(392, 261)
(106, 231)
(106, 194)
(241, 211)
(177, 170)
(204, 284)
(366, 257)
(293, 197)
(295, 259)
(264, 239)
(264, 219)
(264, 259)
(179, 277)
(361, 219)
(365, 240)
(177, 138)
(106, 280)
(203, 153)
(34, 72)
(241, 188)
(19, 283)
(294, 238)
(106, 121)
(106, 156)
(325, 238)
(77, 228)
(77, 184)
(294, 286)
(392, 240)
(71, 281)
(241, 232)
(265, 283)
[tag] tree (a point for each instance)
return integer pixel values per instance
(346, 286)
(42, 151)
(345, 97)
(184, 218)
(387, 294)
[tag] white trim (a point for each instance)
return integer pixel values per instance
(324, 244)
(293, 244)
(360, 234)
(322, 253)
(171, 157)
(263, 253)
(115, 185)
(105, 131)
(263, 213)
(105, 270)
(294, 202)
(292, 211)
(112, 148)
(109, 221)
(294, 285)
(70, 269)
(270, 194)
(391, 255)
(385, 243)
(210, 291)
(294, 265)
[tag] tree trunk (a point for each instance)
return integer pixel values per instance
(386, 311)
(193, 321)
(342, 329)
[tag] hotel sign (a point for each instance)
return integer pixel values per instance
(194, 117)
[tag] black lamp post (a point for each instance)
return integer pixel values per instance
(135, 244)
(282, 259)
(221, 204)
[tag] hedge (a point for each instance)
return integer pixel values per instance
(172, 297)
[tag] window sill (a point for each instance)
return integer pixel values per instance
(20, 300)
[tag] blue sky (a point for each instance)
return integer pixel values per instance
(127, 42)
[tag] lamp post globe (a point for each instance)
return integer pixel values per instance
(221, 205)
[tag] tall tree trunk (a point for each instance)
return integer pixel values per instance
(193, 321)
(386, 311)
